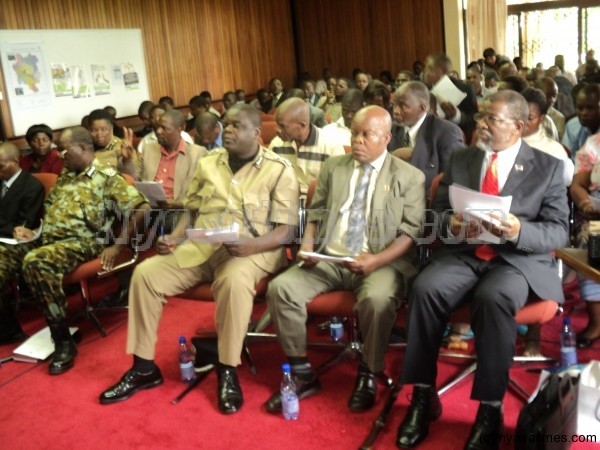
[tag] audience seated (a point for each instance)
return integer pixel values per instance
(437, 68)
(585, 183)
(172, 162)
(156, 112)
(302, 143)
(197, 106)
(513, 83)
(587, 121)
(111, 150)
(76, 223)
(550, 89)
(333, 103)
(243, 184)
(21, 197)
(240, 96)
(276, 91)
(339, 131)
(370, 206)
(403, 77)
(209, 131)
(361, 80)
(422, 139)
(263, 101)
(535, 135)
(118, 131)
(207, 103)
(144, 115)
(317, 116)
(378, 94)
(43, 157)
(308, 86)
(496, 279)
(229, 99)
(167, 103)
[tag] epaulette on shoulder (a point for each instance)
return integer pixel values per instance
(272, 156)
(109, 171)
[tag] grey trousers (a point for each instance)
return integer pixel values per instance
(375, 307)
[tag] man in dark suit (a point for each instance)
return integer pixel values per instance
(21, 198)
(423, 139)
(495, 279)
(437, 67)
(369, 206)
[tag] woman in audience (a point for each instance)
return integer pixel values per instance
(586, 184)
(43, 158)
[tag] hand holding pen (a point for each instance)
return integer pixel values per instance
(165, 244)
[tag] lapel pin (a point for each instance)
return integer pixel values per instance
(386, 187)
(519, 167)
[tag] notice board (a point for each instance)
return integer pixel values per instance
(58, 76)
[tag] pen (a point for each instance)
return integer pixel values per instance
(300, 264)
(162, 231)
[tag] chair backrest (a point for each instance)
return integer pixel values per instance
(268, 132)
(434, 187)
(47, 179)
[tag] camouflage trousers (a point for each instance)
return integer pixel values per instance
(43, 268)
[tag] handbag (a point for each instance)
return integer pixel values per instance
(550, 419)
(588, 405)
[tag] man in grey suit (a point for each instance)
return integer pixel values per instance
(495, 279)
(367, 205)
(423, 139)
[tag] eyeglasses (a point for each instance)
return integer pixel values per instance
(491, 119)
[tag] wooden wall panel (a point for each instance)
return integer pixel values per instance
(189, 45)
(373, 35)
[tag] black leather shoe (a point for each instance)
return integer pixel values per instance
(129, 384)
(12, 337)
(485, 433)
(63, 357)
(584, 342)
(303, 389)
(365, 391)
(10, 330)
(229, 391)
(424, 407)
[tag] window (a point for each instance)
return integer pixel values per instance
(538, 31)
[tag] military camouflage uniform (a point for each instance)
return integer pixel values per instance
(79, 213)
(111, 156)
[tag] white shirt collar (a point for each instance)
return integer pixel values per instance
(412, 131)
(506, 161)
(376, 164)
(8, 183)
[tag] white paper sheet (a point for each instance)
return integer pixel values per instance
(445, 91)
(153, 190)
(36, 234)
(326, 258)
(230, 233)
(479, 206)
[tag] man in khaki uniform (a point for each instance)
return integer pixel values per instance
(244, 184)
(111, 150)
(79, 213)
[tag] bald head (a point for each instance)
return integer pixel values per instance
(371, 128)
(293, 109)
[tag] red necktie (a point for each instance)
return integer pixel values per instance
(489, 186)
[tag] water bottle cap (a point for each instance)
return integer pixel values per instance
(286, 368)
(182, 339)
(567, 321)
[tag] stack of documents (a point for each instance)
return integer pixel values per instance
(230, 233)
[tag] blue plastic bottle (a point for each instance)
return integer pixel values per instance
(186, 361)
(568, 344)
(289, 400)
(336, 329)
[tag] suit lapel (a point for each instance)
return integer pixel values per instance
(475, 169)
(382, 186)
(520, 171)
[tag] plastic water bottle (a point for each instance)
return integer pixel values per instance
(336, 329)
(568, 348)
(289, 399)
(186, 361)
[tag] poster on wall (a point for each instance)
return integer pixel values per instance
(101, 79)
(130, 77)
(81, 85)
(26, 78)
(61, 80)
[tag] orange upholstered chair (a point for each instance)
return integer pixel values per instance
(268, 132)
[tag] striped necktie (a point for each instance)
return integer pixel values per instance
(357, 218)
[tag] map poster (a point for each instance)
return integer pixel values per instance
(101, 79)
(26, 75)
(130, 77)
(80, 80)
(61, 79)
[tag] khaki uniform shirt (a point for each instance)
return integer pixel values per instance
(111, 156)
(262, 193)
(84, 205)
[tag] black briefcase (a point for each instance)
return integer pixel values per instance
(550, 420)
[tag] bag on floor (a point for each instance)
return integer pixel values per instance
(588, 405)
(553, 412)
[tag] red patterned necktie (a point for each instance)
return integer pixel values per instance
(489, 186)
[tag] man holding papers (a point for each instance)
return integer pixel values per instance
(496, 279)
(367, 205)
(171, 163)
(242, 183)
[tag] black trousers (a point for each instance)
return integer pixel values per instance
(495, 290)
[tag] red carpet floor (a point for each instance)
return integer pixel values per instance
(39, 411)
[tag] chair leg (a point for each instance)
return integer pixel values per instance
(248, 357)
(88, 308)
(352, 349)
(464, 374)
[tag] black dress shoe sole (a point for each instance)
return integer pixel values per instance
(108, 401)
(62, 369)
(229, 411)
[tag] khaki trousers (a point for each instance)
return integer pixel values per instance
(375, 307)
(233, 286)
